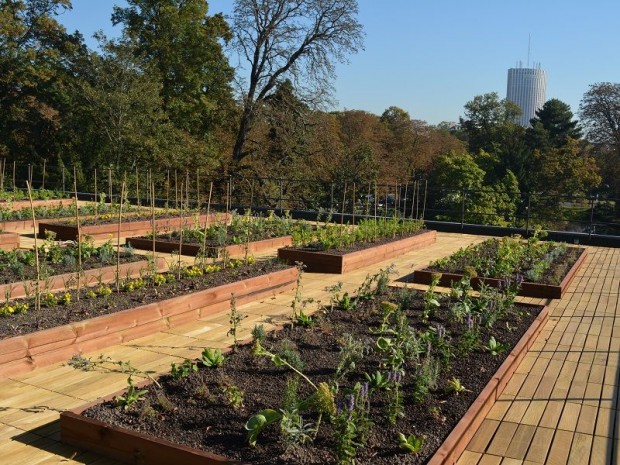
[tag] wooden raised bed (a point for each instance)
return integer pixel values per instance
(324, 262)
(528, 288)
(193, 249)
(106, 274)
(68, 232)
(126, 445)
(24, 353)
(9, 240)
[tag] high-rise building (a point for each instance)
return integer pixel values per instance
(527, 87)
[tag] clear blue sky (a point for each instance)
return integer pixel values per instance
(430, 57)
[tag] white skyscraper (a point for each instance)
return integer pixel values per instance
(527, 87)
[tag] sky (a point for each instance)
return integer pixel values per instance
(430, 57)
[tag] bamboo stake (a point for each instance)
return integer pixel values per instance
(353, 207)
(405, 201)
(375, 232)
(168, 191)
(417, 204)
(118, 238)
(3, 167)
(14, 185)
(44, 163)
(367, 208)
(424, 204)
(37, 292)
(181, 235)
(79, 235)
(415, 183)
(206, 227)
(110, 184)
(96, 196)
(137, 187)
(153, 220)
(176, 191)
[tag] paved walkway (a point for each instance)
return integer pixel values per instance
(560, 405)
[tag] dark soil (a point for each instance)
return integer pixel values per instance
(57, 315)
(129, 217)
(358, 245)
(195, 412)
(10, 273)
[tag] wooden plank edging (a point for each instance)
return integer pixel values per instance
(322, 262)
(528, 288)
(21, 354)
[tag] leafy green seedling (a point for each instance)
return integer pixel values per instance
(212, 358)
(494, 347)
(412, 444)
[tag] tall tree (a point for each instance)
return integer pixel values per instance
(489, 121)
(599, 111)
(600, 115)
(290, 39)
(36, 54)
(552, 126)
(179, 40)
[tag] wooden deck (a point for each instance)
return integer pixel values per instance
(560, 407)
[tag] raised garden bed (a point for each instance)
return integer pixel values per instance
(9, 240)
(253, 247)
(25, 204)
(343, 262)
(23, 353)
(209, 428)
(91, 277)
(529, 288)
(128, 227)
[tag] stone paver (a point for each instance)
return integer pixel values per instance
(561, 406)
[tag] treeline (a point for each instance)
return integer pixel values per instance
(165, 97)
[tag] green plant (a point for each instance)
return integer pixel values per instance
(132, 396)
(234, 396)
(212, 358)
(431, 298)
(395, 404)
(411, 444)
(182, 371)
(235, 319)
(352, 351)
(377, 380)
(352, 424)
(455, 386)
(494, 347)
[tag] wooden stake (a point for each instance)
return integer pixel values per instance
(79, 235)
(37, 292)
(118, 238)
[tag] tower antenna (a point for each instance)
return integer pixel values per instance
(529, 41)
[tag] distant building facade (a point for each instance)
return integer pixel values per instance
(527, 87)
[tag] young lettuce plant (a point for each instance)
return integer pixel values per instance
(411, 444)
(322, 400)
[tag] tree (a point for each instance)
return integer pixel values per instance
(181, 42)
(36, 55)
(460, 182)
(553, 126)
(489, 122)
(599, 111)
(290, 39)
(600, 115)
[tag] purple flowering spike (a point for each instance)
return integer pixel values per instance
(350, 402)
(470, 322)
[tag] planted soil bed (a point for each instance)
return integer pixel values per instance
(132, 226)
(166, 245)
(197, 414)
(550, 284)
(105, 318)
(358, 255)
(76, 311)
